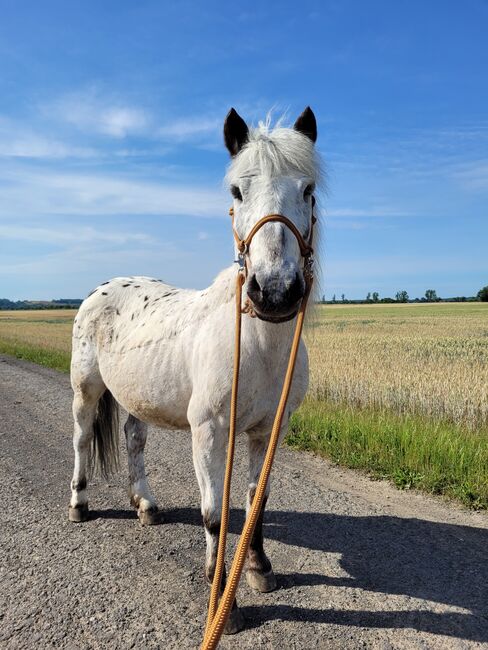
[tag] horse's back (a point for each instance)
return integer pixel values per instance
(126, 333)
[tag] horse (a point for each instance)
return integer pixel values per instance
(165, 354)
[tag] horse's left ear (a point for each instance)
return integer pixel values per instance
(236, 132)
(307, 124)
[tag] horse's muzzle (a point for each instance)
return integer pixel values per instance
(274, 298)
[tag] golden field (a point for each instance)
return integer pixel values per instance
(400, 391)
(425, 359)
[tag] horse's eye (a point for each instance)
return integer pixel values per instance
(236, 192)
(307, 192)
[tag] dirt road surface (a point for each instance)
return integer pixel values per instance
(359, 564)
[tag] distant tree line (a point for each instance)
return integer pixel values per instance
(62, 303)
(403, 297)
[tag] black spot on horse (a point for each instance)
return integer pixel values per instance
(79, 485)
(104, 293)
(104, 283)
(212, 527)
(126, 285)
(117, 312)
(146, 298)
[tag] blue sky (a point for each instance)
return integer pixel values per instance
(111, 154)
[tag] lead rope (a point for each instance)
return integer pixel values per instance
(218, 615)
(224, 519)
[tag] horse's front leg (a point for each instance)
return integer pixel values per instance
(209, 458)
(139, 492)
(259, 574)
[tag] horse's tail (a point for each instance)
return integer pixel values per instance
(105, 450)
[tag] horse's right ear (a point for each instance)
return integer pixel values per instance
(235, 132)
(307, 124)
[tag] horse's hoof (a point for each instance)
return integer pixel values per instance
(235, 622)
(263, 582)
(150, 517)
(77, 514)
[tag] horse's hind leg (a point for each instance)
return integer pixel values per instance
(84, 413)
(259, 574)
(209, 454)
(139, 492)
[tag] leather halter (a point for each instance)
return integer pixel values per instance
(306, 248)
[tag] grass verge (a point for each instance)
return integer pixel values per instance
(43, 356)
(411, 451)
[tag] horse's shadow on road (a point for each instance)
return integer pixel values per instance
(437, 562)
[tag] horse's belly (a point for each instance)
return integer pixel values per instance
(154, 389)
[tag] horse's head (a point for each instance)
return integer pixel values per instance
(273, 172)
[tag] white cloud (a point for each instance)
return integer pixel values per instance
(381, 267)
(73, 234)
(372, 212)
(34, 193)
(90, 111)
(188, 128)
(20, 141)
(473, 176)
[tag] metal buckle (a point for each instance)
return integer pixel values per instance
(241, 261)
(308, 266)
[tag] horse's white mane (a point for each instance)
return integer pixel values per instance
(275, 151)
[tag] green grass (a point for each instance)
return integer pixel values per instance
(43, 356)
(411, 451)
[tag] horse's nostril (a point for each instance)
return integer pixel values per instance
(253, 288)
(296, 290)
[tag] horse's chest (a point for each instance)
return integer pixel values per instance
(260, 389)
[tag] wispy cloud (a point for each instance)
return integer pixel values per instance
(183, 129)
(20, 141)
(93, 112)
(374, 211)
(473, 176)
(27, 193)
(72, 234)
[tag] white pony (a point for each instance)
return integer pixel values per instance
(165, 354)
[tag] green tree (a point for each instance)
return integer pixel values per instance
(343, 297)
(401, 296)
(483, 294)
(368, 297)
(431, 295)
(376, 296)
(334, 298)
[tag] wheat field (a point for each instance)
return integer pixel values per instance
(400, 391)
(425, 359)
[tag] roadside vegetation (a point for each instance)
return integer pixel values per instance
(400, 391)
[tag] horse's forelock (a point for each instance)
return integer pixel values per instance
(275, 151)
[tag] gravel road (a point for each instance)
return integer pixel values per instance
(359, 564)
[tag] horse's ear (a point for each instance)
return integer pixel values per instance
(307, 124)
(235, 132)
